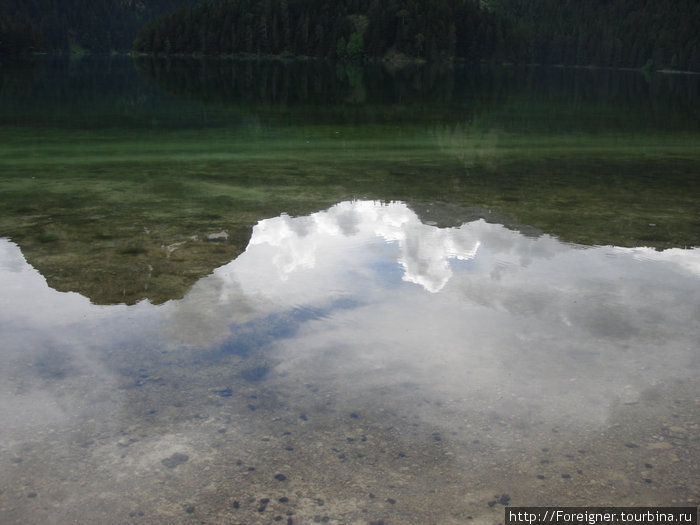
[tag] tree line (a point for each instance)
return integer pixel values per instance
(607, 33)
(18, 37)
(345, 29)
(64, 26)
(612, 33)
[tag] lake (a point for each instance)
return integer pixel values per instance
(301, 292)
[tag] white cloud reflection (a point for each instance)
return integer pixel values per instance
(365, 298)
(499, 317)
(424, 250)
(26, 294)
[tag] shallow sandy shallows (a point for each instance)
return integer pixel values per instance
(357, 366)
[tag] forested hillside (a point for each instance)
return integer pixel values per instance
(72, 25)
(615, 33)
(18, 37)
(658, 34)
(340, 29)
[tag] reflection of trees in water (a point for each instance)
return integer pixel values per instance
(97, 90)
(533, 99)
(353, 73)
(320, 82)
(373, 92)
(86, 93)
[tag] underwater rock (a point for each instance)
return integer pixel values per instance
(224, 392)
(256, 373)
(175, 460)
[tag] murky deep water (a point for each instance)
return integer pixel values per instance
(260, 321)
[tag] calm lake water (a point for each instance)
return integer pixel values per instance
(300, 292)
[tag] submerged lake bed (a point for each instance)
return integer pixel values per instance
(261, 292)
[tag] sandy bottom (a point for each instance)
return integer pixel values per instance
(165, 443)
(415, 375)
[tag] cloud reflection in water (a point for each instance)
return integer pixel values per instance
(498, 317)
(424, 250)
(383, 310)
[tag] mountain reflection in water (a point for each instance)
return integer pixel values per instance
(379, 311)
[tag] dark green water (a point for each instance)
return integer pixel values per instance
(105, 150)
(298, 292)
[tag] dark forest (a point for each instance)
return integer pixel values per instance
(348, 29)
(65, 26)
(651, 34)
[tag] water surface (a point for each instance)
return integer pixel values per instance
(242, 292)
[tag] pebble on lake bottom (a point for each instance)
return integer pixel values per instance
(175, 460)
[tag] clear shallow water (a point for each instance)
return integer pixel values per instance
(357, 364)
(249, 292)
